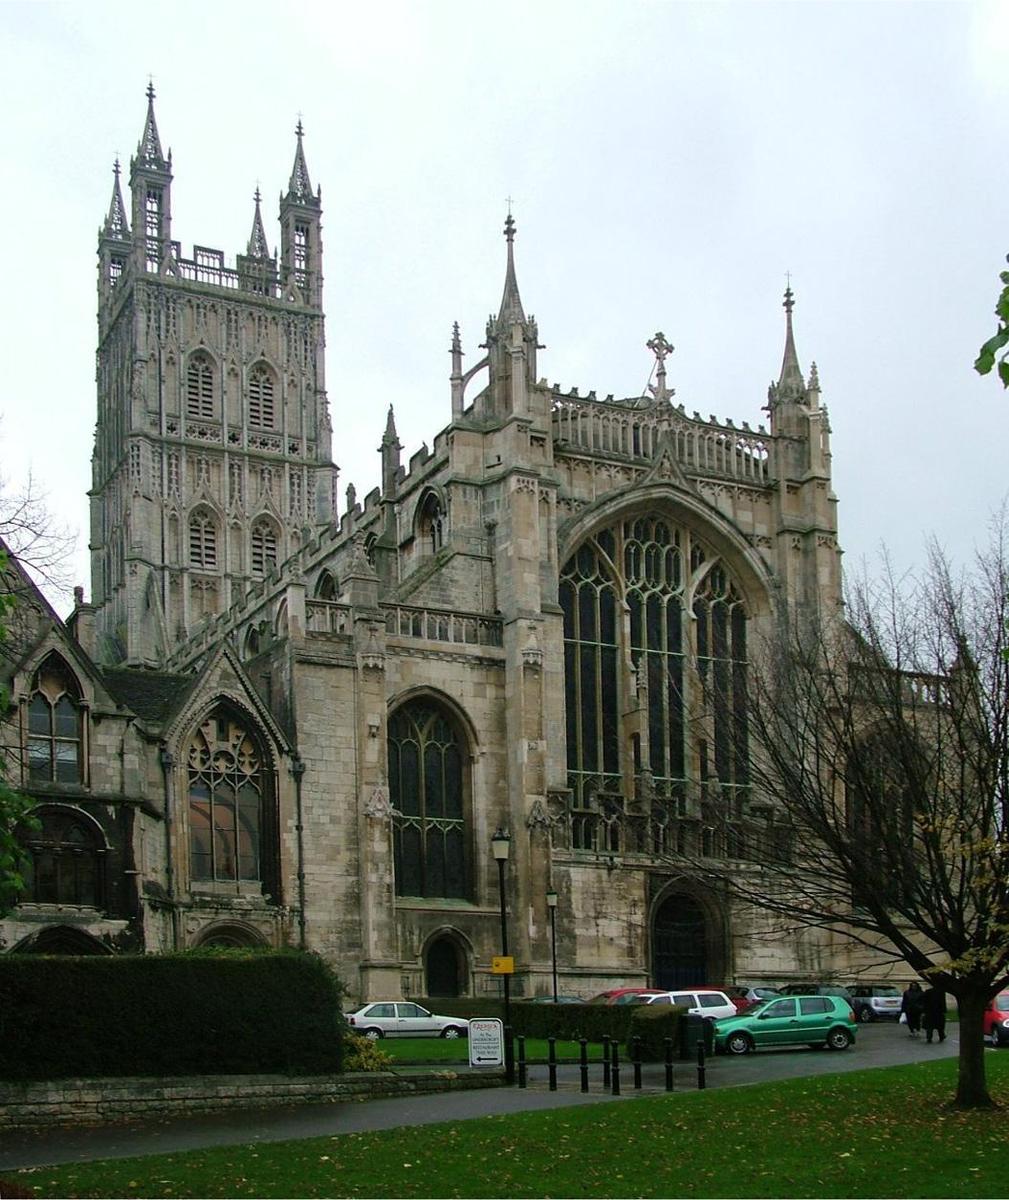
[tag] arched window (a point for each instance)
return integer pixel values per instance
(261, 398)
(430, 524)
(427, 788)
(227, 786)
(203, 541)
(54, 726)
(200, 387)
(649, 595)
(65, 855)
(264, 548)
(326, 587)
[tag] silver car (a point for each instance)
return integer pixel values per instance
(403, 1018)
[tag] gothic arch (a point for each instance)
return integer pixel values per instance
(264, 546)
(205, 542)
(231, 934)
(437, 696)
(688, 939)
(430, 788)
(61, 939)
(446, 955)
(326, 586)
(202, 385)
(430, 522)
(263, 392)
(66, 849)
(231, 817)
(55, 723)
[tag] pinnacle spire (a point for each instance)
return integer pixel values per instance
(511, 303)
(791, 375)
(300, 186)
(149, 147)
(116, 224)
(390, 427)
(258, 247)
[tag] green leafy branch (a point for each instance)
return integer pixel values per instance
(986, 357)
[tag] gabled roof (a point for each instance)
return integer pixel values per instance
(155, 696)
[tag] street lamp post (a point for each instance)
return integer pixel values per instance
(552, 907)
(500, 845)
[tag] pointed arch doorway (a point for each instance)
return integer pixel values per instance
(679, 943)
(443, 965)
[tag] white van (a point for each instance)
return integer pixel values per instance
(703, 1002)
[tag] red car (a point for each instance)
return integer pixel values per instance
(624, 995)
(996, 1020)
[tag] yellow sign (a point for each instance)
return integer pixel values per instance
(502, 965)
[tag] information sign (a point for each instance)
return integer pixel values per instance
(502, 964)
(486, 1042)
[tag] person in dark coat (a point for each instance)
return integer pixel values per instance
(933, 1015)
(911, 1005)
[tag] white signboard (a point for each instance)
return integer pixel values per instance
(486, 1042)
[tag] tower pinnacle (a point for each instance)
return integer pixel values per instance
(511, 303)
(149, 147)
(300, 186)
(790, 380)
(258, 247)
(116, 224)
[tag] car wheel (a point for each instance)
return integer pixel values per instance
(739, 1043)
(838, 1039)
(451, 1031)
(866, 1015)
(372, 1034)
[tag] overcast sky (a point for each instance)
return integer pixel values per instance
(668, 164)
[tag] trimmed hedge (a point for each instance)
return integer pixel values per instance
(462, 1006)
(653, 1023)
(182, 1014)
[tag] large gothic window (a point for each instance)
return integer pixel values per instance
(655, 677)
(227, 788)
(65, 855)
(264, 548)
(427, 788)
(203, 541)
(54, 726)
(262, 412)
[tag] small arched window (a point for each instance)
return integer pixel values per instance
(227, 783)
(262, 408)
(326, 586)
(264, 548)
(430, 524)
(65, 854)
(202, 540)
(200, 387)
(54, 726)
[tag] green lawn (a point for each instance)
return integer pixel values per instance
(883, 1133)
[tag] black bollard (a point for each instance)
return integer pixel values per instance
(583, 1062)
(509, 1049)
(552, 1062)
(615, 1073)
(606, 1061)
(700, 1062)
(522, 1061)
(636, 1057)
(669, 1064)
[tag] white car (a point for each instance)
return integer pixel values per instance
(399, 1018)
(703, 1002)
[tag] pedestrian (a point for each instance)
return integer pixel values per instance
(933, 1015)
(911, 1005)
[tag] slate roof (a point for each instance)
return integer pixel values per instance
(153, 695)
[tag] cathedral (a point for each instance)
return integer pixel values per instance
(286, 717)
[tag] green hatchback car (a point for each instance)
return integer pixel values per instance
(788, 1020)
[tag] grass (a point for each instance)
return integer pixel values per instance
(882, 1133)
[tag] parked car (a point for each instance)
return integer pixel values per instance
(996, 1020)
(704, 1002)
(398, 1018)
(561, 999)
(754, 992)
(875, 1002)
(818, 989)
(624, 995)
(788, 1020)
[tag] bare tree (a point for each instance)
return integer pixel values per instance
(879, 739)
(33, 536)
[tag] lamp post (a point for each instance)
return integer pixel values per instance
(500, 845)
(552, 908)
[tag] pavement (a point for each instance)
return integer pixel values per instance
(879, 1045)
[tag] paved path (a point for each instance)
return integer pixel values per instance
(878, 1046)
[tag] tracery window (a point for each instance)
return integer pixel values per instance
(326, 587)
(264, 548)
(226, 792)
(655, 672)
(200, 387)
(427, 789)
(202, 541)
(261, 398)
(54, 726)
(430, 524)
(65, 855)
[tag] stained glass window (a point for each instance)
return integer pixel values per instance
(226, 783)
(54, 726)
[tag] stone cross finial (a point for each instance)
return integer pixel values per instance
(661, 349)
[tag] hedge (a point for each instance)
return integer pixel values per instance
(156, 1015)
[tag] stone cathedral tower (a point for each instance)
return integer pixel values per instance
(212, 457)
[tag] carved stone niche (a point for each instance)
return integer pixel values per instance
(532, 655)
(377, 805)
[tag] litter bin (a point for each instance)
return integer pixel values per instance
(694, 1029)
